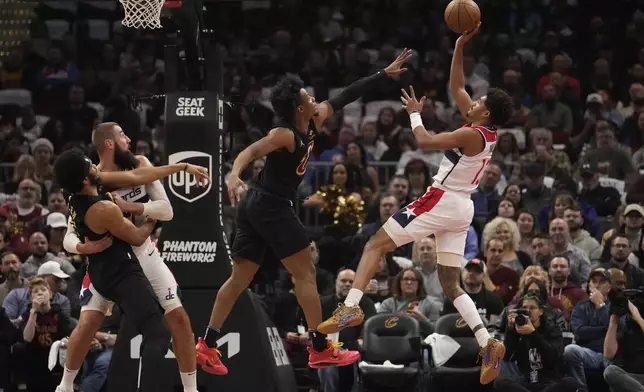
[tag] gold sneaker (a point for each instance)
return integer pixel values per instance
(492, 356)
(343, 317)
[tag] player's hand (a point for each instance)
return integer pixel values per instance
(236, 188)
(394, 70)
(122, 204)
(411, 103)
(92, 247)
(200, 173)
(466, 36)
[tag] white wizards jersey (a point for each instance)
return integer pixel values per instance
(458, 172)
(137, 194)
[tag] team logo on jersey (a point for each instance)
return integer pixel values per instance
(184, 185)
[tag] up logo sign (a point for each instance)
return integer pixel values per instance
(184, 185)
(190, 107)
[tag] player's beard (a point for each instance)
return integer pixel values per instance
(124, 159)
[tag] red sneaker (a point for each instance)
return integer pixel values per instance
(333, 355)
(209, 360)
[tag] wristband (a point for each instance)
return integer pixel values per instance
(415, 120)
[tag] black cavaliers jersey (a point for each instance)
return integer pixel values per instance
(283, 171)
(110, 264)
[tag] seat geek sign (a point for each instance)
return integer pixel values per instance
(190, 107)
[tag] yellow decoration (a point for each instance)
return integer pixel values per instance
(346, 210)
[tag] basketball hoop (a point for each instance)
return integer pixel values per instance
(145, 14)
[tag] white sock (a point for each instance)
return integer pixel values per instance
(67, 383)
(353, 298)
(470, 314)
(189, 381)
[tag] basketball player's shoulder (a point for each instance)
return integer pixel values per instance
(104, 208)
(143, 161)
(281, 136)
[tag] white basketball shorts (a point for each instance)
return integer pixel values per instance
(162, 281)
(446, 214)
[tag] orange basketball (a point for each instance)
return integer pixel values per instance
(462, 15)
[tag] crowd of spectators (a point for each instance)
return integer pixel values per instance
(558, 214)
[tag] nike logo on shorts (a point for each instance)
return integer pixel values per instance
(151, 253)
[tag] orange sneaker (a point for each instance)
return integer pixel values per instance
(344, 316)
(492, 356)
(333, 355)
(208, 359)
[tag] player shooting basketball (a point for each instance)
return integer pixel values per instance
(445, 210)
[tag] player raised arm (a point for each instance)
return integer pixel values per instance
(456, 75)
(108, 216)
(277, 138)
(359, 88)
(146, 174)
(465, 138)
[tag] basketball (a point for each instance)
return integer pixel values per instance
(462, 15)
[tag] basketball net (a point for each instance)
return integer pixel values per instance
(145, 14)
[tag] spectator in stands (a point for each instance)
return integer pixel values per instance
(388, 206)
(58, 72)
(542, 250)
(506, 152)
(605, 200)
(419, 177)
(486, 198)
(632, 228)
(580, 237)
(56, 202)
(489, 304)
(556, 163)
(507, 209)
(554, 310)
(46, 323)
(40, 254)
(424, 259)
(534, 346)
(535, 196)
(563, 200)
(499, 278)
(23, 216)
(399, 187)
(409, 297)
(43, 152)
(589, 321)
(55, 234)
(25, 169)
(620, 250)
(507, 231)
(10, 269)
(340, 379)
(551, 114)
(17, 301)
(527, 224)
(370, 141)
(512, 192)
(561, 286)
(610, 158)
(537, 275)
(561, 245)
(356, 156)
(626, 374)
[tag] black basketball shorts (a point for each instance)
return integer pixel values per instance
(267, 220)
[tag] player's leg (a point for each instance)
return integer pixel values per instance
(449, 253)
(248, 250)
(302, 269)
(134, 294)
(165, 287)
(396, 232)
(93, 310)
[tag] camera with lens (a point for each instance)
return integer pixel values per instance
(523, 315)
(619, 300)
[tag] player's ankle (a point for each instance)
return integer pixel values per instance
(353, 298)
(211, 336)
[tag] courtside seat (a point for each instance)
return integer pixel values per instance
(394, 338)
(462, 368)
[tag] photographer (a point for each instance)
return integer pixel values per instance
(627, 372)
(533, 348)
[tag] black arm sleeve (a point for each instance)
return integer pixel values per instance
(356, 90)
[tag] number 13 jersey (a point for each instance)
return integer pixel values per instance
(460, 173)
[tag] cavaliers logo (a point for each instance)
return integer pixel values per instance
(301, 168)
(391, 322)
(460, 323)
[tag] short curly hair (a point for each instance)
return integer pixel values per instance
(500, 105)
(70, 169)
(286, 96)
